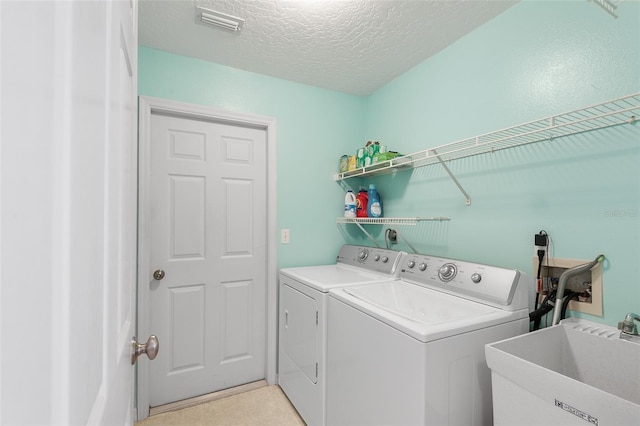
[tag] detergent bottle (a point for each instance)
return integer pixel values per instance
(374, 205)
(361, 203)
(350, 205)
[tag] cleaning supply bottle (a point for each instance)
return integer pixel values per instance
(350, 205)
(361, 203)
(374, 206)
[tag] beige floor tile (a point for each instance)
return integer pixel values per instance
(266, 406)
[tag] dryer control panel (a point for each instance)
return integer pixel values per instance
(371, 258)
(477, 281)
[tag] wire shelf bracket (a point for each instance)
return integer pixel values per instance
(609, 6)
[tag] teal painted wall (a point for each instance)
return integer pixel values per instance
(535, 60)
(313, 127)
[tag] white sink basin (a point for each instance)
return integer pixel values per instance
(576, 373)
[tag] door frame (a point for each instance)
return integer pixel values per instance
(146, 107)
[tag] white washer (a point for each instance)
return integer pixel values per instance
(411, 351)
(303, 320)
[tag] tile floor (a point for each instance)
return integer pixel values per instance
(265, 406)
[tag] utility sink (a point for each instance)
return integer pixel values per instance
(575, 373)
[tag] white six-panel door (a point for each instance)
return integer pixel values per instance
(208, 236)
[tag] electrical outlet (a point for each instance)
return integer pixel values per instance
(284, 236)
(588, 284)
(545, 249)
(393, 236)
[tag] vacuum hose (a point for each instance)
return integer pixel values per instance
(563, 283)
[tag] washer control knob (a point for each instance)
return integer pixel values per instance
(411, 264)
(422, 266)
(376, 257)
(385, 259)
(363, 254)
(476, 277)
(447, 272)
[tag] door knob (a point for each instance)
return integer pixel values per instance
(150, 348)
(158, 274)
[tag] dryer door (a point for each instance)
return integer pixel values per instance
(299, 328)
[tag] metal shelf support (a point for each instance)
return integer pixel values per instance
(365, 232)
(453, 178)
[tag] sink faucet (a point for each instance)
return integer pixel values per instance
(628, 326)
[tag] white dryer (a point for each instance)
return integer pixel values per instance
(411, 351)
(303, 320)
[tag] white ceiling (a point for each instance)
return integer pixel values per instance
(352, 46)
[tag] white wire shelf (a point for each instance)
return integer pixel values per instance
(625, 110)
(389, 220)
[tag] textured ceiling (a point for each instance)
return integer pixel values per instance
(352, 46)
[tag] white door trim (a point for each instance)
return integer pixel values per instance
(147, 106)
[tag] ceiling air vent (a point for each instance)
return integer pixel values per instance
(219, 19)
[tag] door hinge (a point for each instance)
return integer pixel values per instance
(316, 370)
(316, 317)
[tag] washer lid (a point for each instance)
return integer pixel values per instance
(325, 277)
(423, 313)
